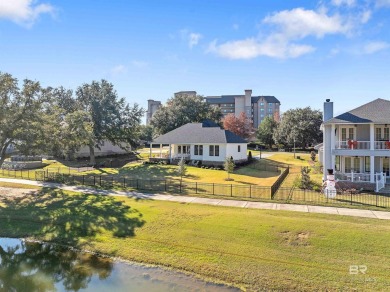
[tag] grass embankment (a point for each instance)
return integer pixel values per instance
(252, 249)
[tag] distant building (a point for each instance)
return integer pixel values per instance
(153, 106)
(255, 107)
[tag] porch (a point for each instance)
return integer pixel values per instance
(169, 152)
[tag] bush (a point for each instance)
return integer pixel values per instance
(250, 158)
(313, 156)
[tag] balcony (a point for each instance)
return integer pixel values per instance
(362, 145)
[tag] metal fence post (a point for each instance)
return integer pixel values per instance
(231, 190)
(124, 182)
(100, 180)
(94, 181)
(83, 179)
(165, 185)
(376, 200)
(213, 189)
(196, 187)
(250, 191)
(137, 184)
(351, 197)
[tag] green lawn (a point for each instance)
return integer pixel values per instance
(243, 175)
(251, 249)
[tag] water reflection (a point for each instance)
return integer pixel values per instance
(27, 266)
(37, 267)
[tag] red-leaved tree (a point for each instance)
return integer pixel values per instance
(241, 125)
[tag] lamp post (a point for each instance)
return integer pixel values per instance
(294, 147)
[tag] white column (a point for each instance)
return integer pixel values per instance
(372, 169)
(333, 145)
(372, 137)
(170, 153)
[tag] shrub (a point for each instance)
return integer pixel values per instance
(313, 156)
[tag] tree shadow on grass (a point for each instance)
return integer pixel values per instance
(74, 220)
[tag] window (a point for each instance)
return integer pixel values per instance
(239, 148)
(378, 134)
(356, 164)
(261, 109)
(343, 134)
(198, 150)
(350, 132)
(337, 166)
(367, 164)
(179, 149)
(386, 134)
(270, 110)
(261, 103)
(270, 104)
(214, 150)
(262, 115)
(348, 164)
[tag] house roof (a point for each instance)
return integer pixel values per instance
(206, 132)
(230, 99)
(376, 111)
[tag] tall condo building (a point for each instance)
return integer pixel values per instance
(153, 106)
(255, 107)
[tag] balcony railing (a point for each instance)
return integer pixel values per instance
(382, 145)
(352, 145)
(362, 145)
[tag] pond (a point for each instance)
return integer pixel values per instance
(31, 266)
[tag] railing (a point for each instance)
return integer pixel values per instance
(359, 145)
(382, 145)
(353, 176)
(380, 179)
(352, 145)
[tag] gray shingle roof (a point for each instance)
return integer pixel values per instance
(376, 111)
(230, 99)
(199, 133)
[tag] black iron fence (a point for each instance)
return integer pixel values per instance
(347, 197)
(266, 193)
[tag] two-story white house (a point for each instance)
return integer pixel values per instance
(357, 143)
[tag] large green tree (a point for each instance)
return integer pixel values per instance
(22, 113)
(301, 125)
(183, 109)
(266, 130)
(111, 118)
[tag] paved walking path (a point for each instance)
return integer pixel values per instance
(217, 202)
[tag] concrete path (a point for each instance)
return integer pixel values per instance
(207, 201)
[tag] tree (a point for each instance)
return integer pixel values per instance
(183, 109)
(229, 166)
(240, 125)
(21, 112)
(181, 170)
(305, 177)
(266, 131)
(112, 119)
(313, 156)
(146, 133)
(301, 125)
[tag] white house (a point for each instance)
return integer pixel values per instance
(357, 143)
(205, 142)
(107, 148)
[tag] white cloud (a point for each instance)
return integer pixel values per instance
(299, 23)
(365, 16)
(24, 12)
(119, 69)
(252, 48)
(374, 47)
(236, 26)
(349, 3)
(382, 3)
(191, 38)
(289, 27)
(194, 39)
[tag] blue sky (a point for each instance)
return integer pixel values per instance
(302, 52)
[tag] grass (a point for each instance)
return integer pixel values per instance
(251, 249)
(243, 175)
(19, 186)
